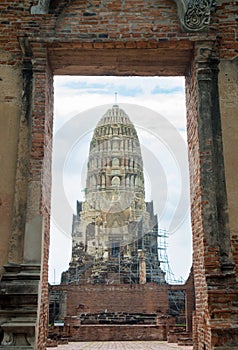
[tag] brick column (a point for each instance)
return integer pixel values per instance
(213, 265)
(20, 281)
(24, 286)
(39, 202)
(212, 175)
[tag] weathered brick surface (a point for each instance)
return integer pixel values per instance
(82, 305)
(147, 298)
(82, 333)
(127, 38)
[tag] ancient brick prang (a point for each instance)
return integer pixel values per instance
(115, 231)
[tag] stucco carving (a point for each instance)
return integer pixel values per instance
(198, 14)
(195, 15)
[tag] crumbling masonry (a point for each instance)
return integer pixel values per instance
(197, 39)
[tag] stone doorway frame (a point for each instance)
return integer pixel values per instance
(198, 61)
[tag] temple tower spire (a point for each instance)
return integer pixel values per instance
(114, 223)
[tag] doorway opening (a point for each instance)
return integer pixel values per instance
(78, 99)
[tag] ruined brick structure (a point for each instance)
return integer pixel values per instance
(93, 311)
(40, 38)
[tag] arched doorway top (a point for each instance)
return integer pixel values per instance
(194, 15)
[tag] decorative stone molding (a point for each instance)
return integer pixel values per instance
(195, 14)
(19, 292)
(206, 51)
(8, 339)
(17, 340)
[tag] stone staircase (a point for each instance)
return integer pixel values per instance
(185, 340)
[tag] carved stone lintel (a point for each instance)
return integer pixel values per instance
(42, 7)
(195, 14)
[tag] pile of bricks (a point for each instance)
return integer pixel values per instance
(118, 318)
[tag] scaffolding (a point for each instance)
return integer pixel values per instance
(163, 258)
(126, 270)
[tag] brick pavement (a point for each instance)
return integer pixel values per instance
(122, 345)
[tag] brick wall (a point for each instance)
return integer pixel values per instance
(147, 298)
(107, 333)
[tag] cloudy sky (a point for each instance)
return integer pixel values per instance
(156, 106)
